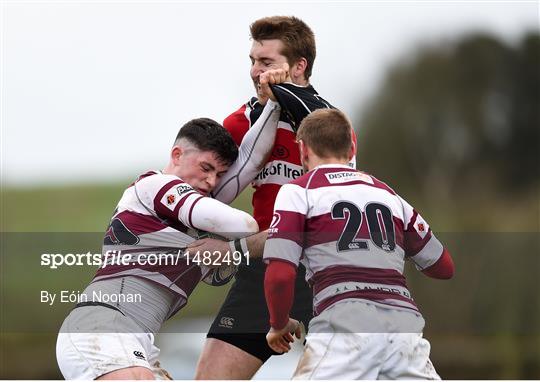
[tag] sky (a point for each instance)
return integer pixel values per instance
(97, 90)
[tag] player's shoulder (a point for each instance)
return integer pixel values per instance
(335, 175)
(157, 180)
(377, 183)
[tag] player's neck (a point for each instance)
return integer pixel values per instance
(316, 162)
(301, 81)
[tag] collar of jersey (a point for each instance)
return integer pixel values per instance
(333, 165)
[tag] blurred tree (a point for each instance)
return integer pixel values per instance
(455, 128)
(458, 119)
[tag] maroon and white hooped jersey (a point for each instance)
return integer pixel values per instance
(149, 230)
(352, 233)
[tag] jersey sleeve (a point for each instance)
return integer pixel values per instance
(252, 154)
(297, 102)
(286, 233)
(211, 215)
(421, 245)
(172, 197)
(176, 200)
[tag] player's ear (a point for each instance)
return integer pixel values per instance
(176, 153)
(352, 152)
(303, 150)
(298, 69)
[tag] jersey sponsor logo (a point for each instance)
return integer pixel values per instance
(349, 286)
(276, 171)
(183, 188)
(226, 322)
(280, 152)
(170, 199)
(347, 176)
(139, 354)
(275, 221)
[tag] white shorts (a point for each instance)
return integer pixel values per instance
(355, 339)
(96, 340)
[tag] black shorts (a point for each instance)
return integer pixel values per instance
(243, 320)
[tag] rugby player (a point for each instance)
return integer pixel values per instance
(353, 233)
(158, 215)
(236, 345)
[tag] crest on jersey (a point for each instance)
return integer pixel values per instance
(170, 199)
(421, 226)
(280, 152)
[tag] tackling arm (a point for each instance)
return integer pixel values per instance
(252, 155)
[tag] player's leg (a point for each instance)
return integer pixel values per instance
(407, 354)
(408, 358)
(236, 346)
(334, 350)
(96, 341)
(221, 360)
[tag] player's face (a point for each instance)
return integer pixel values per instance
(265, 55)
(200, 169)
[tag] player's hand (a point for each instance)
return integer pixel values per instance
(279, 340)
(217, 249)
(272, 77)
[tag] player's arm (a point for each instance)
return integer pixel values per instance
(443, 267)
(178, 201)
(282, 253)
(423, 248)
(256, 144)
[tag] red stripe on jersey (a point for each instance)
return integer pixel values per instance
(324, 229)
(345, 273)
(414, 242)
(140, 224)
(165, 212)
(237, 124)
(290, 226)
(410, 226)
(370, 295)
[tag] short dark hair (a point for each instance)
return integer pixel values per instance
(208, 135)
(327, 132)
(297, 37)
